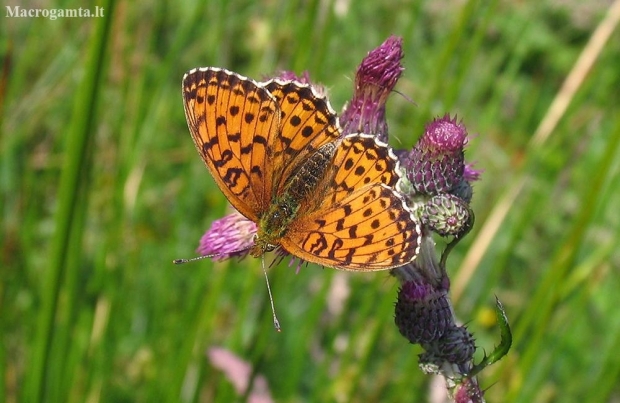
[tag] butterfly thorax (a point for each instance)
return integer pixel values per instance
(300, 188)
(272, 226)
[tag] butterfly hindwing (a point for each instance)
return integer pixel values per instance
(363, 222)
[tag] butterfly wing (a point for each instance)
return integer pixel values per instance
(307, 123)
(362, 223)
(233, 120)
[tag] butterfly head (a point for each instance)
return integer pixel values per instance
(261, 246)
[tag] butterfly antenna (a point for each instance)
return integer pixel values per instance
(211, 255)
(181, 261)
(276, 322)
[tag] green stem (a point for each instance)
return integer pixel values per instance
(78, 141)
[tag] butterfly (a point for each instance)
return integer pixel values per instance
(276, 151)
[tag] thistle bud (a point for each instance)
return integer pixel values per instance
(422, 312)
(456, 346)
(436, 163)
(447, 214)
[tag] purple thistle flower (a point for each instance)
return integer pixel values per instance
(470, 174)
(436, 163)
(374, 81)
(229, 236)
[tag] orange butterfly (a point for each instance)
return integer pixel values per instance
(276, 151)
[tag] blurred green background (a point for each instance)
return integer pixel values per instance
(101, 188)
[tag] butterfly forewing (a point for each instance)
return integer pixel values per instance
(232, 119)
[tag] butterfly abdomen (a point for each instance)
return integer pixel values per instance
(300, 186)
(305, 179)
